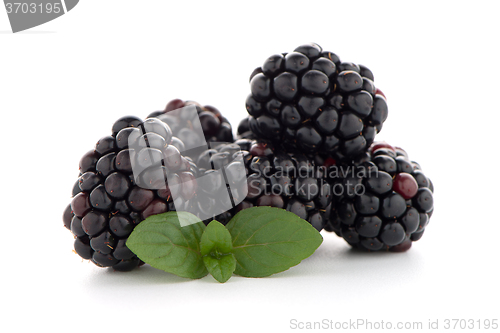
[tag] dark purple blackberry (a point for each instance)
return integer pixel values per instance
(221, 183)
(384, 203)
(310, 100)
(195, 127)
(122, 181)
(256, 174)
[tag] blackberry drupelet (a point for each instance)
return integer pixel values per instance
(184, 125)
(312, 101)
(385, 203)
(123, 181)
(259, 175)
(243, 131)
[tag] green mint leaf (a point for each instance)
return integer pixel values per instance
(216, 248)
(268, 240)
(161, 242)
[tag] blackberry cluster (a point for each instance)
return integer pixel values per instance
(123, 181)
(311, 101)
(259, 175)
(306, 146)
(385, 201)
(195, 127)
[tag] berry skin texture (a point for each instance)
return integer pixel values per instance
(392, 208)
(80, 204)
(108, 200)
(278, 179)
(405, 185)
(310, 101)
(196, 129)
(258, 175)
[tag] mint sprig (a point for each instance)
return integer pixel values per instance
(161, 242)
(257, 242)
(268, 240)
(217, 251)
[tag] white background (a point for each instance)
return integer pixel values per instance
(64, 83)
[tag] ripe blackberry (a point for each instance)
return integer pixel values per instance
(123, 181)
(385, 203)
(312, 101)
(260, 175)
(189, 126)
(221, 183)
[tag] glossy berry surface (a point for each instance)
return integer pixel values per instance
(194, 125)
(243, 131)
(381, 206)
(278, 179)
(311, 101)
(130, 175)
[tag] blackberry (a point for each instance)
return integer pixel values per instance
(310, 100)
(123, 180)
(195, 127)
(385, 202)
(221, 182)
(260, 175)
